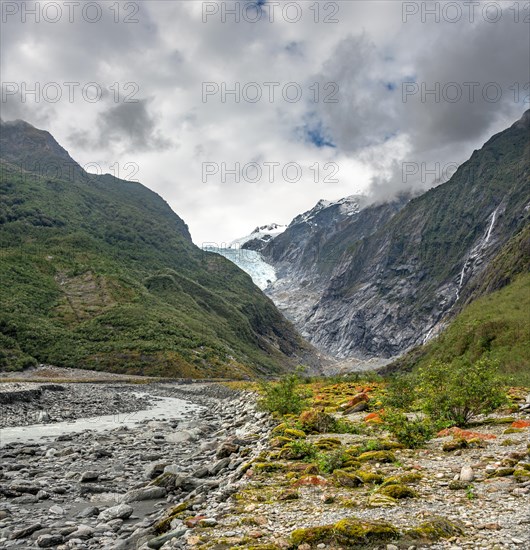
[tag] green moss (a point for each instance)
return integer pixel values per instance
(173, 513)
(354, 531)
(268, 466)
(454, 445)
(328, 443)
(280, 441)
(289, 494)
(521, 475)
(377, 456)
(502, 472)
(381, 501)
(369, 477)
(166, 479)
(350, 532)
(513, 431)
(411, 477)
(346, 479)
(280, 428)
(294, 433)
(351, 465)
(312, 535)
(398, 491)
(434, 529)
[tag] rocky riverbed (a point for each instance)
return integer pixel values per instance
(217, 476)
(111, 489)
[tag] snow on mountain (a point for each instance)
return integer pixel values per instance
(347, 206)
(264, 233)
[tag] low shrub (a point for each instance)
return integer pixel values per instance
(411, 433)
(283, 397)
(456, 393)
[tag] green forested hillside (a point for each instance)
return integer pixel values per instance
(98, 272)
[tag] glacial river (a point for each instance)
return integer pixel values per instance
(163, 408)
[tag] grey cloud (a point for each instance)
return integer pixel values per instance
(129, 125)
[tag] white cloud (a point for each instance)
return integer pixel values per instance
(170, 53)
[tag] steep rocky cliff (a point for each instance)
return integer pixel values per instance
(375, 281)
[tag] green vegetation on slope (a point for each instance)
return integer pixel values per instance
(495, 326)
(99, 273)
(495, 322)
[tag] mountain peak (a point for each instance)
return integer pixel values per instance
(32, 149)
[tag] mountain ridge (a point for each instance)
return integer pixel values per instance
(101, 273)
(380, 289)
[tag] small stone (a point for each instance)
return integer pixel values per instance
(391, 547)
(467, 474)
(56, 510)
(88, 512)
(48, 541)
(158, 542)
(26, 531)
(122, 511)
(88, 476)
(145, 493)
(208, 522)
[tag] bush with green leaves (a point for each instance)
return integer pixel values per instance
(283, 397)
(456, 393)
(400, 392)
(412, 433)
(301, 449)
(329, 462)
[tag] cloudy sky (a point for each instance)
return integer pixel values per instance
(240, 114)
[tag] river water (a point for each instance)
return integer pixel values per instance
(164, 408)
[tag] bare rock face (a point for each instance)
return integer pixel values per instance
(373, 280)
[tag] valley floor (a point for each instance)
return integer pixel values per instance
(216, 475)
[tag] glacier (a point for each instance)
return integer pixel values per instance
(250, 261)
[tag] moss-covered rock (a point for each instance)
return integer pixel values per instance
(521, 475)
(315, 421)
(346, 479)
(280, 428)
(349, 532)
(411, 477)
(381, 501)
(377, 456)
(434, 529)
(351, 465)
(289, 494)
(280, 441)
(456, 485)
(502, 472)
(513, 431)
(173, 513)
(328, 443)
(294, 433)
(268, 466)
(352, 531)
(312, 470)
(312, 535)
(398, 491)
(454, 445)
(369, 477)
(166, 480)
